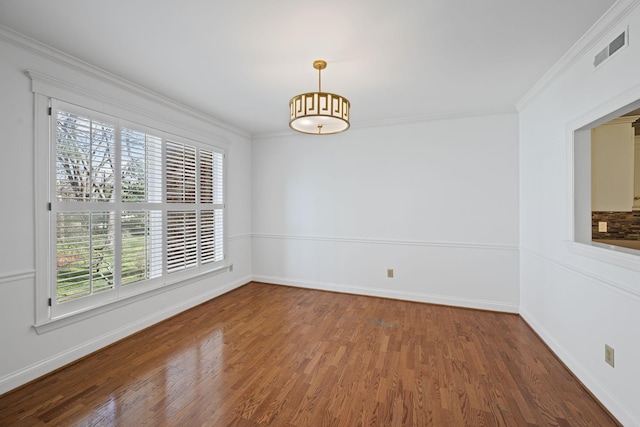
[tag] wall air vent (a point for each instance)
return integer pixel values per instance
(618, 43)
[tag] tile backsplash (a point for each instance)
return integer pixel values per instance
(620, 225)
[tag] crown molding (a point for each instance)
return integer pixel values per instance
(439, 116)
(594, 35)
(396, 121)
(64, 91)
(33, 46)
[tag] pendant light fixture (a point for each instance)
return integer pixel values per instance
(319, 113)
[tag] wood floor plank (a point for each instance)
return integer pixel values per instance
(281, 356)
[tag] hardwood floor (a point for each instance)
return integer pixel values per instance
(273, 355)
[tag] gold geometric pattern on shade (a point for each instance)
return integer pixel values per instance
(319, 113)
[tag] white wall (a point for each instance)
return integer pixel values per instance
(436, 201)
(25, 355)
(577, 303)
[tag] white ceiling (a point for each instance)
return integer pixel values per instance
(242, 60)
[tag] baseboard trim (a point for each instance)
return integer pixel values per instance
(383, 293)
(50, 364)
(593, 386)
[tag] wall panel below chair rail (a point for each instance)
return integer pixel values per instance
(458, 274)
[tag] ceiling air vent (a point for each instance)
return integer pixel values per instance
(618, 43)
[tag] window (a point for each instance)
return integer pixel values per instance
(604, 212)
(131, 209)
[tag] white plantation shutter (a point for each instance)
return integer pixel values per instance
(206, 176)
(141, 253)
(218, 200)
(182, 226)
(181, 173)
(218, 179)
(85, 179)
(141, 185)
(194, 185)
(219, 237)
(85, 254)
(130, 207)
(141, 166)
(182, 240)
(85, 151)
(211, 219)
(208, 236)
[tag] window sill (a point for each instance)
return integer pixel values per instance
(78, 316)
(611, 254)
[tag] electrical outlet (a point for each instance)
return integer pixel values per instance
(602, 226)
(390, 273)
(609, 355)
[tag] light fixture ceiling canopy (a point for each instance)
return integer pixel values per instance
(319, 113)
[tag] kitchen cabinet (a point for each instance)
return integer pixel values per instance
(612, 165)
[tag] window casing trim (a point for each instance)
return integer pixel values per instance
(578, 183)
(53, 88)
(44, 89)
(89, 312)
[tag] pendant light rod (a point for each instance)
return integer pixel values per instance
(319, 65)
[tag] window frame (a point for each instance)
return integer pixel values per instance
(579, 209)
(47, 92)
